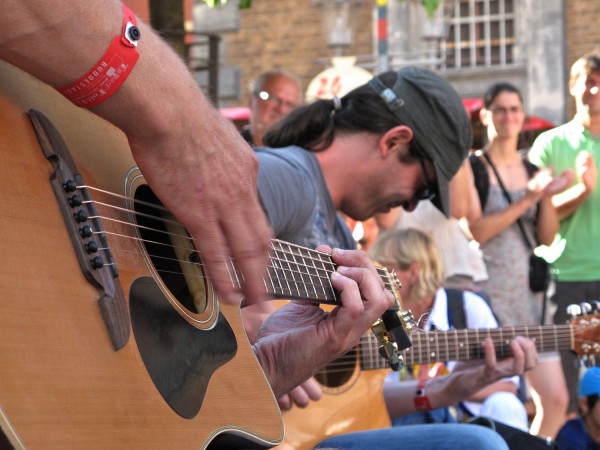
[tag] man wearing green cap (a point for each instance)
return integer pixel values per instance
(583, 432)
(394, 141)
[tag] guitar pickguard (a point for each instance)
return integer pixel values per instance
(179, 357)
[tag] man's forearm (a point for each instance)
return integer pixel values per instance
(441, 391)
(568, 201)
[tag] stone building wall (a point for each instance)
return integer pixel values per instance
(290, 34)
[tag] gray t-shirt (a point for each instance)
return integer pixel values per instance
(296, 200)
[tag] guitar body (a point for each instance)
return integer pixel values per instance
(181, 378)
(357, 405)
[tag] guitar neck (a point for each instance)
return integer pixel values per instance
(464, 345)
(301, 273)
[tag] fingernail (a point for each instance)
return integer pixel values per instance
(339, 251)
(343, 269)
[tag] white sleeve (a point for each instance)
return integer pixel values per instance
(478, 313)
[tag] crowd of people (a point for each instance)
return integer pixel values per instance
(395, 146)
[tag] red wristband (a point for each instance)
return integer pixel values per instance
(111, 71)
(421, 400)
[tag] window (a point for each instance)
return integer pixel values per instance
(481, 33)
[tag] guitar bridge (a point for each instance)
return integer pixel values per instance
(95, 260)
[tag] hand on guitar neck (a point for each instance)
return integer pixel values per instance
(300, 337)
(466, 379)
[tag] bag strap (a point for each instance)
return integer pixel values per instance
(508, 199)
(456, 309)
(481, 178)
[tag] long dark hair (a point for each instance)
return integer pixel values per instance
(314, 126)
(496, 89)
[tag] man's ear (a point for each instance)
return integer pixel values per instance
(395, 140)
(583, 405)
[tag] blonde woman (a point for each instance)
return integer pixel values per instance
(416, 260)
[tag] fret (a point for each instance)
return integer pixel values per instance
(272, 275)
(407, 355)
(462, 344)
(282, 258)
(421, 348)
(428, 350)
(541, 341)
(278, 270)
(436, 352)
(318, 280)
(446, 349)
(534, 335)
(303, 275)
(290, 258)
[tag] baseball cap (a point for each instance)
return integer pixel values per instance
(431, 107)
(590, 382)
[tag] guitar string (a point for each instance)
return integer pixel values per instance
(472, 347)
(159, 218)
(272, 257)
(278, 250)
(307, 252)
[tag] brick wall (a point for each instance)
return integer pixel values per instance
(289, 34)
(582, 31)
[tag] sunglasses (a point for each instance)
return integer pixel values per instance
(426, 192)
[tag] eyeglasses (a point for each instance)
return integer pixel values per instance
(504, 110)
(277, 100)
(428, 191)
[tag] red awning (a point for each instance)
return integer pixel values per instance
(236, 113)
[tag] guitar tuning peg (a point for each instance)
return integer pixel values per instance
(595, 305)
(574, 310)
(586, 307)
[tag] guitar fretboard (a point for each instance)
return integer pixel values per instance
(301, 273)
(463, 345)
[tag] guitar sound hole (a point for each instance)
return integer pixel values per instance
(338, 372)
(170, 250)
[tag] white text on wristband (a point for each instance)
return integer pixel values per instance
(111, 71)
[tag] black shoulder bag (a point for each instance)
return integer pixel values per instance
(539, 269)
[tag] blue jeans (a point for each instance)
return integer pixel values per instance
(444, 436)
(441, 415)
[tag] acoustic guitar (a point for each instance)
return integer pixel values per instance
(111, 335)
(353, 385)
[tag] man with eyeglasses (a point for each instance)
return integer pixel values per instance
(272, 95)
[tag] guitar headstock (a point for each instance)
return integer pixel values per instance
(586, 335)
